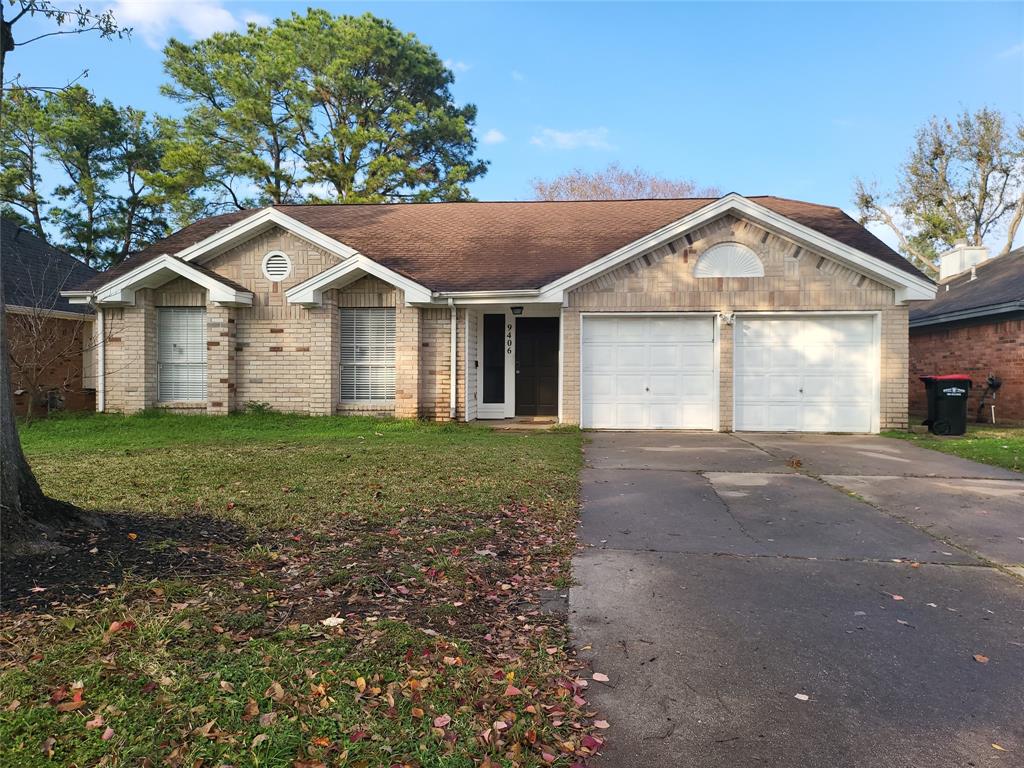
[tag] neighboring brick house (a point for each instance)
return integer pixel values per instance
(974, 326)
(738, 313)
(49, 339)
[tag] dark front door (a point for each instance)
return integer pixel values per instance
(536, 366)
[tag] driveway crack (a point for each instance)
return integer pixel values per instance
(728, 511)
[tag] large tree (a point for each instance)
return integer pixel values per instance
(24, 510)
(616, 183)
(963, 180)
(96, 194)
(315, 108)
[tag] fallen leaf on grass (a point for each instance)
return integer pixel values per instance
(258, 739)
(108, 734)
(442, 720)
(252, 709)
(275, 691)
(332, 621)
(96, 722)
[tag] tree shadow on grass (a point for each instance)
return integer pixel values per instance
(89, 559)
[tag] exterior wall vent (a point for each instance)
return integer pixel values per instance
(728, 260)
(276, 266)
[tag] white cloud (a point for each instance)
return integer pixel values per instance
(493, 136)
(517, 75)
(457, 66)
(585, 138)
(157, 20)
(1011, 52)
(259, 19)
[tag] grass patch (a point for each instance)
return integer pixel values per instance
(1000, 446)
(281, 590)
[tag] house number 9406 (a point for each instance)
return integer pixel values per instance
(508, 338)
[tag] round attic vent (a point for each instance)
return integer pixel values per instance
(276, 266)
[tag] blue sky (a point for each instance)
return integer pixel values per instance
(787, 99)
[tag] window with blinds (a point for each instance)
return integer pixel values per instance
(367, 354)
(181, 353)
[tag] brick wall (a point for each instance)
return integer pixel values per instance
(53, 347)
(795, 279)
(976, 350)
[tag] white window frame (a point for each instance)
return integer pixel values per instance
(196, 357)
(379, 354)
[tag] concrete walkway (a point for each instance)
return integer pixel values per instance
(723, 576)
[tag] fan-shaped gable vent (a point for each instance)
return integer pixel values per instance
(728, 260)
(276, 266)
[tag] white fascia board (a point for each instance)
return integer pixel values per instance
(906, 285)
(310, 292)
(77, 297)
(261, 220)
(468, 298)
(122, 290)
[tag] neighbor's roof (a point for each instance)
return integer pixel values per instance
(998, 286)
(34, 272)
(509, 245)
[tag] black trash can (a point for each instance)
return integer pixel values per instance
(947, 403)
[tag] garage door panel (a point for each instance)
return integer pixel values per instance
(664, 385)
(668, 356)
(630, 385)
(815, 374)
(662, 370)
(781, 358)
(700, 358)
(699, 388)
(599, 357)
(632, 331)
(631, 356)
(782, 387)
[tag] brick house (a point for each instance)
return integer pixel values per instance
(974, 326)
(741, 313)
(49, 339)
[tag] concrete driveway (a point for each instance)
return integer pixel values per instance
(723, 576)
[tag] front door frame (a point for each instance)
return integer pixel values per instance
(507, 410)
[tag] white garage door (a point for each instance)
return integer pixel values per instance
(649, 372)
(812, 374)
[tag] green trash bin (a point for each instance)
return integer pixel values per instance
(947, 403)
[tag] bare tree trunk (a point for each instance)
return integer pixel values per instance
(26, 514)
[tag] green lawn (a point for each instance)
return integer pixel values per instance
(287, 591)
(1002, 446)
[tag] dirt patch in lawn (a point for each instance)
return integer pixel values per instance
(96, 559)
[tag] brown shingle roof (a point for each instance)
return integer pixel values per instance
(513, 245)
(998, 282)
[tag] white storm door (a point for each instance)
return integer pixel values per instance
(648, 371)
(806, 374)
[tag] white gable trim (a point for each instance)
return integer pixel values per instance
(906, 285)
(261, 221)
(154, 273)
(310, 292)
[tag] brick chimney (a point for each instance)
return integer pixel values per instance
(961, 258)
